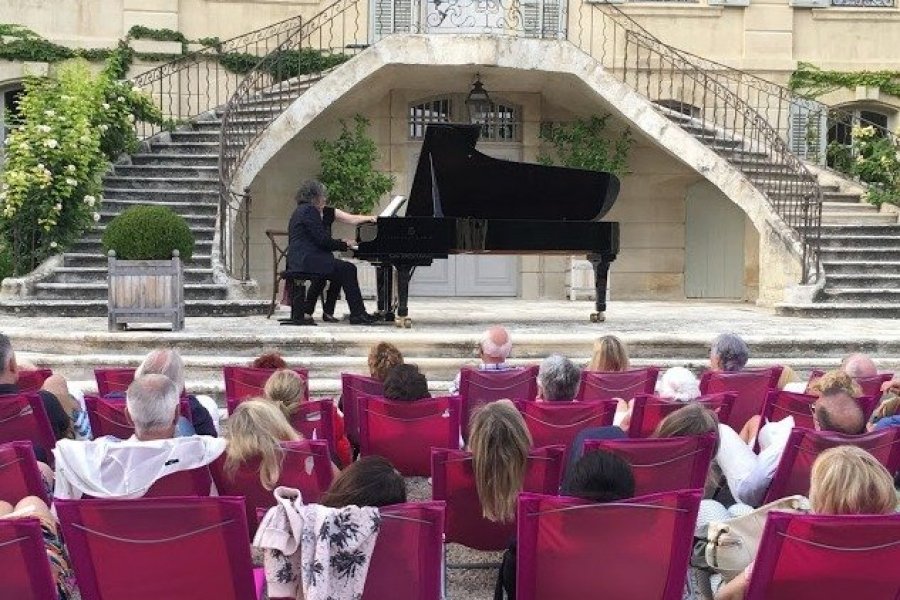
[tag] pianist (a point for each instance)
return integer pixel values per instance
(310, 248)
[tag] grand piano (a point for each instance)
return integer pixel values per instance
(464, 202)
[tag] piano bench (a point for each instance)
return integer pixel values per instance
(296, 286)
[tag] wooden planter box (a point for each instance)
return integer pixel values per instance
(146, 291)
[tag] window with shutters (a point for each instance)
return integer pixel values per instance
(503, 123)
(9, 109)
(435, 110)
(840, 125)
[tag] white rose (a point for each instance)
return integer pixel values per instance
(70, 168)
(41, 167)
(53, 244)
(103, 128)
(43, 128)
(50, 113)
(71, 181)
(105, 106)
(89, 200)
(96, 217)
(120, 99)
(131, 118)
(58, 207)
(51, 143)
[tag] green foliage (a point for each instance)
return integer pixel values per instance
(139, 32)
(211, 42)
(14, 30)
(148, 233)
(240, 63)
(874, 160)
(585, 144)
(34, 50)
(810, 81)
(291, 63)
(348, 171)
(6, 265)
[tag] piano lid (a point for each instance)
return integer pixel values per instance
(453, 179)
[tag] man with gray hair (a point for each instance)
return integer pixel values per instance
(728, 353)
(168, 362)
(558, 379)
(152, 404)
(859, 365)
(493, 349)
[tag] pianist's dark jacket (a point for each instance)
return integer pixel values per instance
(310, 244)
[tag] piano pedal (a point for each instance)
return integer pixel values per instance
(598, 317)
(403, 322)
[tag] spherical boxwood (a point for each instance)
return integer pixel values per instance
(148, 233)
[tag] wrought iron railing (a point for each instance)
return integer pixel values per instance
(717, 110)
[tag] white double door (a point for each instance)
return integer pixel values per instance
(469, 274)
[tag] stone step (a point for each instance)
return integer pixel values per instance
(858, 218)
(743, 157)
(249, 122)
(862, 294)
(177, 160)
(200, 259)
(97, 291)
(253, 112)
(860, 241)
(167, 171)
(206, 209)
(861, 230)
(194, 136)
(181, 148)
(194, 221)
(846, 266)
(134, 182)
(845, 310)
(152, 196)
(871, 253)
(848, 207)
(765, 182)
(717, 140)
(97, 274)
(842, 198)
(98, 308)
(91, 245)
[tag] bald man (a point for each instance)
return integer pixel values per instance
(859, 365)
(493, 349)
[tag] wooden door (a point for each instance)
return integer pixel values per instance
(714, 245)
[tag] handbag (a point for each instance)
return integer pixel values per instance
(728, 547)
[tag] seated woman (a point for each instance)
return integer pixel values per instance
(383, 356)
(845, 480)
(269, 360)
(558, 379)
(678, 383)
(405, 382)
(33, 506)
(728, 352)
(287, 390)
(610, 355)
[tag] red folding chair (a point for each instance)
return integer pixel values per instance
(314, 420)
(871, 386)
(407, 563)
(477, 388)
(31, 380)
(636, 548)
(19, 473)
(243, 383)
(663, 464)
(185, 548)
(453, 481)
(602, 385)
(804, 445)
(306, 466)
(195, 482)
(827, 557)
(109, 418)
(352, 386)
(648, 411)
(23, 418)
(113, 380)
(24, 567)
(557, 423)
(405, 432)
(750, 386)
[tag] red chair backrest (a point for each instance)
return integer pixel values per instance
(751, 387)
(453, 481)
(804, 445)
(603, 385)
(407, 563)
(557, 423)
(314, 420)
(827, 557)
(31, 380)
(195, 482)
(113, 380)
(649, 411)
(108, 416)
(242, 383)
(636, 548)
(871, 386)
(663, 464)
(23, 418)
(477, 388)
(19, 474)
(780, 405)
(405, 432)
(306, 466)
(24, 568)
(187, 548)
(352, 386)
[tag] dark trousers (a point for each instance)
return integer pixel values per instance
(342, 277)
(329, 302)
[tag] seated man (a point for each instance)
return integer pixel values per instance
(204, 414)
(310, 251)
(859, 365)
(728, 352)
(110, 468)
(493, 350)
(749, 475)
(405, 382)
(558, 379)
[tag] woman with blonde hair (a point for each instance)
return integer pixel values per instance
(287, 390)
(383, 356)
(610, 355)
(254, 432)
(499, 442)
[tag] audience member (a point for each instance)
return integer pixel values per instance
(693, 419)
(493, 350)
(886, 415)
(610, 355)
(111, 468)
(204, 414)
(269, 360)
(749, 475)
(288, 390)
(383, 356)
(254, 432)
(558, 379)
(728, 353)
(845, 480)
(789, 381)
(63, 575)
(678, 383)
(859, 365)
(370, 481)
(405, 382)
(499, 442)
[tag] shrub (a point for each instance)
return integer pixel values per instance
(148, 233)
(586, 144)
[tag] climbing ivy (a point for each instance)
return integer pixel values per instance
(811, 81)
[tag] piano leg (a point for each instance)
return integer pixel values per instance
(404, 274)
(601, 279)
(384, 290)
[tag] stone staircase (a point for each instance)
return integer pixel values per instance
(860, 245)
(179, 170)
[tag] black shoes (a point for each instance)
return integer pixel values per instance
(363, 319)
(326, 318)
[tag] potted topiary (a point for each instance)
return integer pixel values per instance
(146, 246)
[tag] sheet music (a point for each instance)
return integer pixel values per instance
(396, 208)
